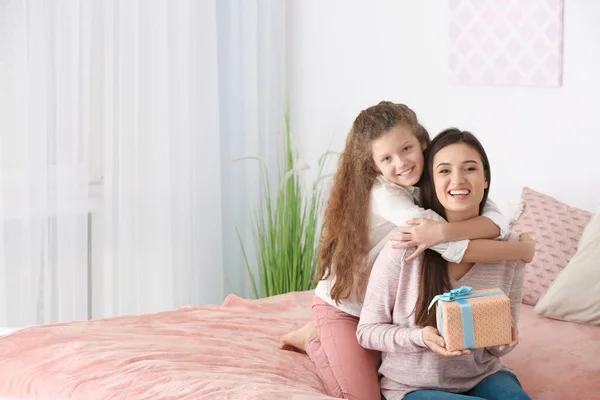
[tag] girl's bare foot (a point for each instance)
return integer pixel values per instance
(296, 340)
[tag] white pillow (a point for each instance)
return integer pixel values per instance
(575, 293)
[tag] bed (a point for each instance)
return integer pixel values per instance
(230, 352)
(218, 352)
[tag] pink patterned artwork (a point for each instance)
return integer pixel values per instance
(505, 42)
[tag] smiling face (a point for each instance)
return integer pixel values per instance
(460, 181)
(398, 156)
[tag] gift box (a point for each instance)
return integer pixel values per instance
(473, 319)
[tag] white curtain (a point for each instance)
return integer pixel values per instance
(44, 102)
(251, 36)
(119, 194)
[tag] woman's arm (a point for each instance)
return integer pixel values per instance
(375, 329)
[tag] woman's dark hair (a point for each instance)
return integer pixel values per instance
(434, 274)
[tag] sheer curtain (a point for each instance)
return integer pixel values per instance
(44, 103)
(153, 100)
(251, 37)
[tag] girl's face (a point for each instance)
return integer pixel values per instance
(398, 156)
(459, 179)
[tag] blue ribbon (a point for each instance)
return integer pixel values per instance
(461, 295)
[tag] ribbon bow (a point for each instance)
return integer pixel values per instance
(455, 294)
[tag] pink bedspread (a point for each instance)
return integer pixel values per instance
(556, 360)
(230, 352)
(224, 352)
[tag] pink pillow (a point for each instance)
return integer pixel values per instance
(556, 228)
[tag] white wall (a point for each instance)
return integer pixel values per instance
(344, 55)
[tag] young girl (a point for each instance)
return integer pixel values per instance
(373, 193)
(395, 318)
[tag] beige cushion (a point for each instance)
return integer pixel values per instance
(575, 293)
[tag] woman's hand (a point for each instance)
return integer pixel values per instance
(529, 243)
(515, 337)
(433, 340)
(422, 233)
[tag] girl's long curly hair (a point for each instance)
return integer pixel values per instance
(345, 243)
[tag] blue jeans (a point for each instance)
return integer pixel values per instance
(503, 385)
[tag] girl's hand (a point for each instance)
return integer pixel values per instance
(433, 340)
(422, 234)
(529, 244)
(515, 337)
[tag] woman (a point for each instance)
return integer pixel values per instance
(394, 318)
(373, 193)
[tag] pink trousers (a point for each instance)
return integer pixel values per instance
(348, 370)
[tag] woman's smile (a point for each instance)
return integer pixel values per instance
(459, 194)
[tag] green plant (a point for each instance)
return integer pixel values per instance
(286, 226)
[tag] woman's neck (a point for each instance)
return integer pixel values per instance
(459, 216)
(457, 271)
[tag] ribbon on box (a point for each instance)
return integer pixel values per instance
(461, 295)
